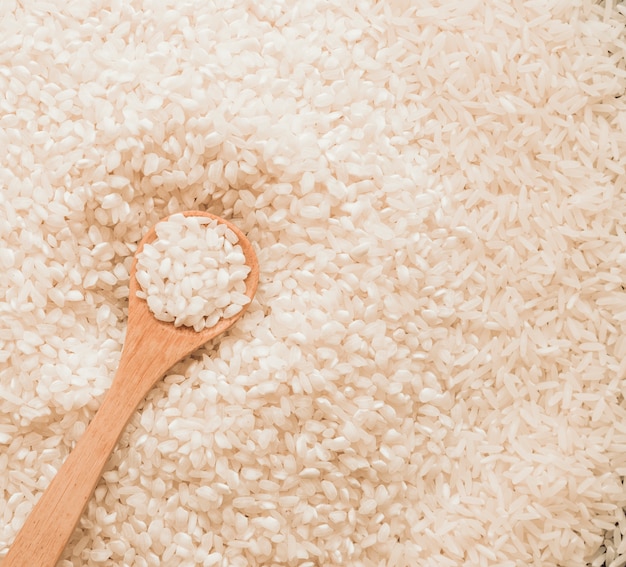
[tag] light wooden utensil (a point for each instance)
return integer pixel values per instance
(151, 348)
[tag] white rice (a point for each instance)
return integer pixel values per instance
(431, 373)
(194, 273)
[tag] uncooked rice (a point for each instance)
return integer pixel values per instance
(431, 373)
(194, 272)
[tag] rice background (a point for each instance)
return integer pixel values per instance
(431, 373)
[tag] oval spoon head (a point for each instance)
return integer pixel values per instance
(162, 339)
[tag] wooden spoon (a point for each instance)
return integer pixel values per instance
(151, 348)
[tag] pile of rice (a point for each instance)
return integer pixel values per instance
(431, 372)
(193, 273)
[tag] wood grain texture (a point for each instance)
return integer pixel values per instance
(150, 349)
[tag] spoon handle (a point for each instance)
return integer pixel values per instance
(50, 525)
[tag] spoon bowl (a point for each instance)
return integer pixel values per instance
(151, 348)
